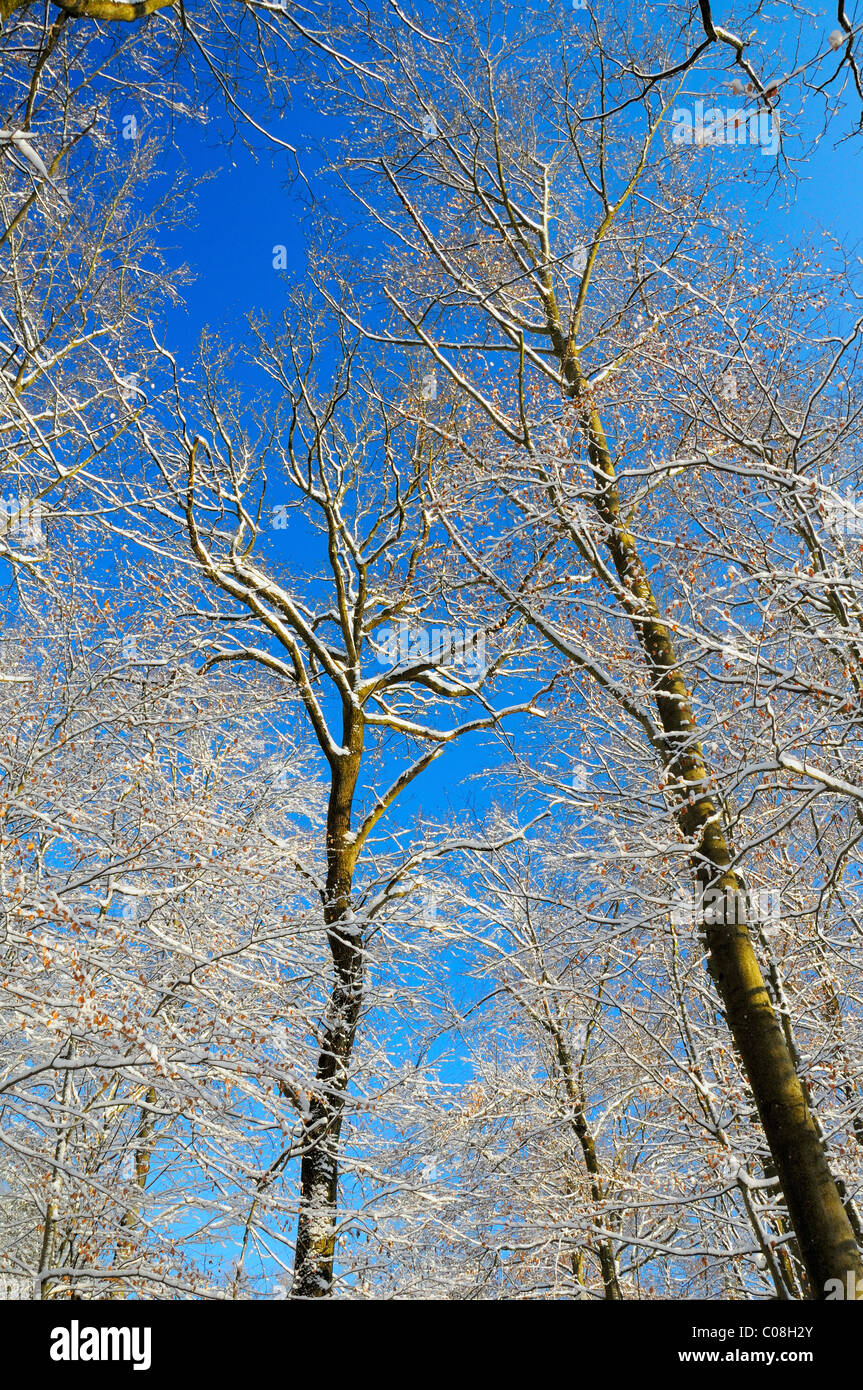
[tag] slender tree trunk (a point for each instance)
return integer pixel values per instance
(319, 1168)
(52, 1207)
(319, 1171)
(575, 1095)
(143, 1151)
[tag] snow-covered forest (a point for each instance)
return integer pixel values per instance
(431, 696)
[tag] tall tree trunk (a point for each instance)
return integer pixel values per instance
(319, 1168)
(815, 1205)
(52, 1205)
(142, 1155)
(587, 1144)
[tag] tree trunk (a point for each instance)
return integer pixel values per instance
(815, 1206)
(575, 1095)
(319, 1168)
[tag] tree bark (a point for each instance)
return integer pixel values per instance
(815, 1206)
(575, 1095)
(319, 1168)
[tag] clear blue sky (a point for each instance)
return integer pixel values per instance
(250, 206)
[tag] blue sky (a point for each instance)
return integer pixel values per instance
(252, 206)
(254, 203)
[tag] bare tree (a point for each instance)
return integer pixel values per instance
(490, 214)
(381, 653)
